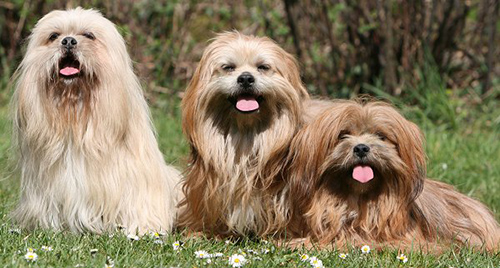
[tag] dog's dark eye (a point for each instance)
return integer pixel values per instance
(263, 67)
(228, 67)
(89, 35)
(343, 134)
(53, 36)
(381, 136)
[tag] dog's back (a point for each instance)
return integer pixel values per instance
(453, 215)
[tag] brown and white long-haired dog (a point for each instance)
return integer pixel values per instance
(88, 155)
(240, 112)
(358, 176)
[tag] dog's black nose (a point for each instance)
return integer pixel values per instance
(361, 150)
(246, 79)
(69, 42)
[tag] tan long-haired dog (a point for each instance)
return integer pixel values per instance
(88, 155)
(240, 112)
(357, 176)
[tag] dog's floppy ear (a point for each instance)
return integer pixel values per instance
(411, 149)
(410, 146)
(292, 73)
(189, 103)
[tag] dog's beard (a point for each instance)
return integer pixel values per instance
(221, 109)
(70, 87)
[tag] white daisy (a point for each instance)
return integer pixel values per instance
(402, 258)
(237, 260)
(176, 245)
(158, 241)
(201, 254)
(133, 237)
(315, 262)
(109, 263)
(46, 248)
(31, 256)
(155, 235)
(343, 255)
(15, 231)
(251, 251)
(304, 257)
(365, 249)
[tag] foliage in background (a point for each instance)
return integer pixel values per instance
(341, 44)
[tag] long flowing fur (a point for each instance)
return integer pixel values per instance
(399, 207)
(231, 185)
(88, 155)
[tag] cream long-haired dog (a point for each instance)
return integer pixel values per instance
(358, 176)
(88, 155)
(240, 112)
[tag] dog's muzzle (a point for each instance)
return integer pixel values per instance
(247, 99)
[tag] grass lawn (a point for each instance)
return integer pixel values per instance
(467, 157)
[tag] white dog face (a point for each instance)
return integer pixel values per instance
(66, 46)
(73, 55)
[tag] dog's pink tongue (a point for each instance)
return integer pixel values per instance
(247, 104)
(362, 174)
(67, 71)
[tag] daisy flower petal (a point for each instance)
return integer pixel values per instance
(46, 248)
(133, 237)
(201, 254)
(158, 241)
(109, 263)
(237, 260)
(402, 258)
(177, 245)
(31, 256)
(365, 249)
(315, 262)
